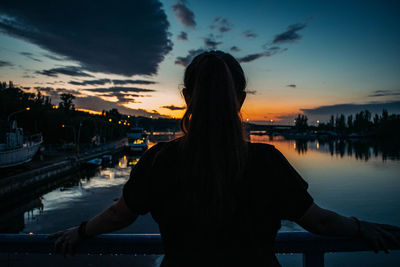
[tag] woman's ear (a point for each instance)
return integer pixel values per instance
(186, 96)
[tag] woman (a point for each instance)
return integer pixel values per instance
(219, 200)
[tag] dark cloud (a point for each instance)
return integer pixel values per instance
(128, 81)
(210, 42)
(324, 112)
(53, 57)
(119, 89)
(67, 70)
(123, 38)
(385, 93)
(184, 14)
(5, 64)
(172, 107)
(91, 82)
(182, 36)
(251, 92)
(30, 56)
(290, 35)
(270, 52)
(116, 82)
(98, 104)
(221, 24)
(291, 85)
(235, 48)
(184, 61)
(249, 34)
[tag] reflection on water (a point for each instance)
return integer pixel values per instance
(352, 178)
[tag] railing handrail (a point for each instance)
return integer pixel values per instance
(286, 242)
(310, 245)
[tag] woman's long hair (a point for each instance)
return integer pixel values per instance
(214, 144)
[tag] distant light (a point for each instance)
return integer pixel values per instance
(63, 126)
(151, 117)
(294, 121)
(110, 120)
(129, 124)
(247, 119)
(317, 121)
(119, 122)
(125, 123)
(28, 108)
(31, 233)
(272, 120)
(129, 116)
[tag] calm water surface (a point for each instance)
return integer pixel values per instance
(362, 182)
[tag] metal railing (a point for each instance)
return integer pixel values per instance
(313, 247)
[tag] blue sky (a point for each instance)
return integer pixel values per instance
(310, 54)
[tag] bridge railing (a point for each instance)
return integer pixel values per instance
(313, 247)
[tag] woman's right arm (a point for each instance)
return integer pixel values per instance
(325, 222)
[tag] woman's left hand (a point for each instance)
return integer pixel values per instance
(66, 241)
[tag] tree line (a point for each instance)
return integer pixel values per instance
(383, 125)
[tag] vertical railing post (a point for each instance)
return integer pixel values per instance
(313, 259)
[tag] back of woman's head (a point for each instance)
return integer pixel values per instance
(214, 145)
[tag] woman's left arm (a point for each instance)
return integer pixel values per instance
(115, 217)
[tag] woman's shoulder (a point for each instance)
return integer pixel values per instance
(261, 147)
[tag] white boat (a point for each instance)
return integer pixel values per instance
(16, 148)
(137, 140)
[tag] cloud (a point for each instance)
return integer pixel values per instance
(30, 56)
(251, 92)
(235, 48)
(91, 82)
(291, 85)
(378, 93)
(290, 35)
(184, 61)
(66, 70)
(128, 81)
(270, 52)
(114, 89)
(96, 103)
(249, 34)
(184, 14)
(5, 64)
(53, 57)
(210, 42)
(127, 39)
(172, 107)
(182, 36)
(221, 24)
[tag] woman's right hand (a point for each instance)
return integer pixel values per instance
(379, 236)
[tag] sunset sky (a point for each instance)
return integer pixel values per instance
(312, 57)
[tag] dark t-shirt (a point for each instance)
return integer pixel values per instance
(271, 190)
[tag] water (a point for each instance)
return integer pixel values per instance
(352, 179)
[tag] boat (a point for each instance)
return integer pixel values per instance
(95, 161)
(137, 139)
(15, 148)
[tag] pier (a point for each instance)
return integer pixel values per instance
(49, 170)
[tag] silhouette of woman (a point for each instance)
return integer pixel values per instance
(218, 199)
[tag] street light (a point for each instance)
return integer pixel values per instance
(18, 111)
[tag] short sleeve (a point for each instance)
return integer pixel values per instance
(293, 198)
(137, 191)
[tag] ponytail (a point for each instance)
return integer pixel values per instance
(214, 145)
